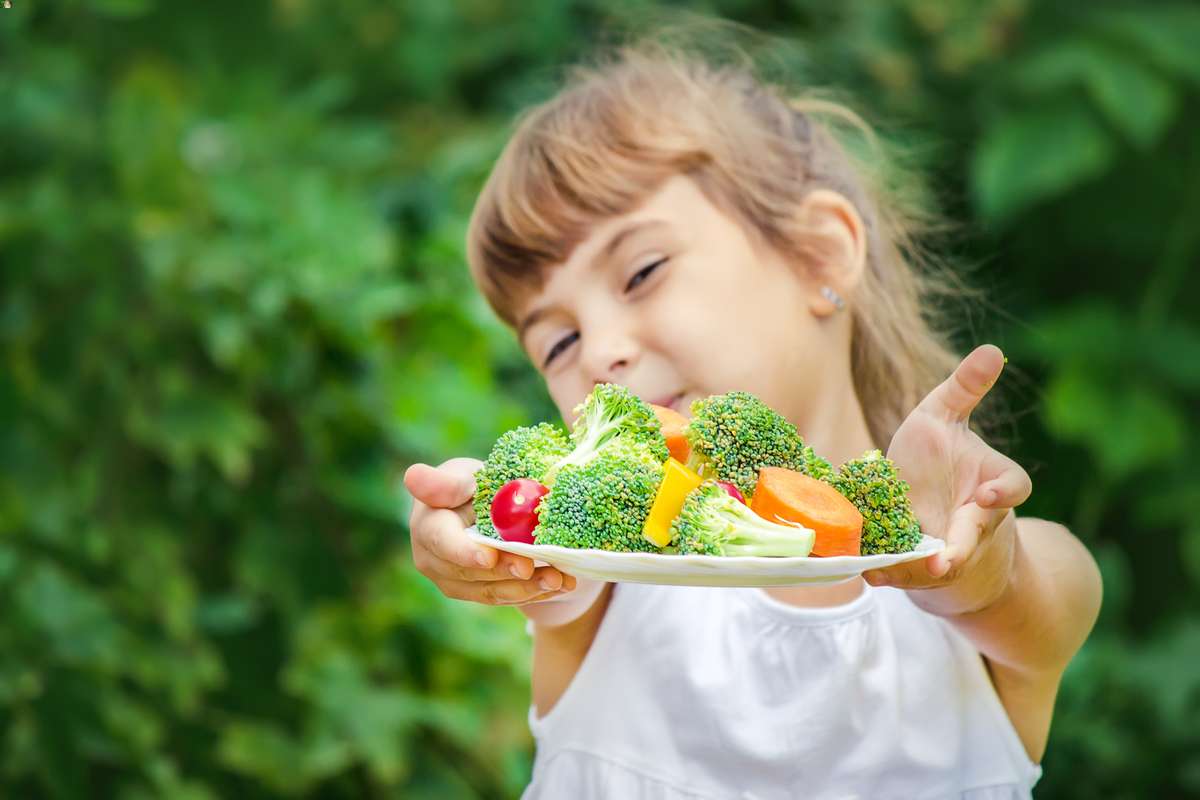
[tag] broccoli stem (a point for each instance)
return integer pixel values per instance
(598, 432)
(755, 538)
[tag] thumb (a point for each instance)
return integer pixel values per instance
(956, 397)
(448, 486)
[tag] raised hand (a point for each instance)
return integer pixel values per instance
(443, 552)
(962, 491)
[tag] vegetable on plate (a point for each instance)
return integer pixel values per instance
(514, 509)
(677, 482)
(674, 429)
(784, 495)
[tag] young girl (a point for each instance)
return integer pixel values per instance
(685, 229)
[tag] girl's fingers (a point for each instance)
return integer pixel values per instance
(448, 486)
(965, 527)
(544, 580)
(507, 567)
(956, 397)
(441, 547)
(967, 524)
(441, 532)
(1010, 487)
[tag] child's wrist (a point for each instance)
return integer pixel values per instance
(564, 608)
(985, 579)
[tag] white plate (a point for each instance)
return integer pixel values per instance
(697, 570)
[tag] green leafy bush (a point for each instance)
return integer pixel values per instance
(234, 306)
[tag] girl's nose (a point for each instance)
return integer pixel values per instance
(609, 355)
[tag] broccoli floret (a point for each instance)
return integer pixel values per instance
(733, 435)
(526, 452)
(611, 416)
(873, 485)
(602, 504)
(713, 523)
(817, 467)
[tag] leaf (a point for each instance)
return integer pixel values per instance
(1095, 333)
(1106, 337)
(1127, 427)
(71, 619)
(226, 614)
(123, 8)
(1169, 503)
(1032, 155)
(1168, 35)
(1133, 97)
(1173, 351)
(190, 421)
(375, 721)
(144, 130)
(1189, 551)
(271, 755)
(1118, 580)
(1167, 670)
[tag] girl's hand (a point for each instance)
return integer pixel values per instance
(962, 491)
(462, 569)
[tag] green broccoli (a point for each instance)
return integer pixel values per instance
(603, 503)
(817, 467)
(733, 435)
(526, 452)
(611, 415)
(713, 523)
(872, 483)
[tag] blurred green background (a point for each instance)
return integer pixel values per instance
(234, 306)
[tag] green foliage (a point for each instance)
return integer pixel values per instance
(233, 307)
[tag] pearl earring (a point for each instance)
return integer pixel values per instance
(832, 296)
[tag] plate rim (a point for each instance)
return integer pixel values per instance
(830, 562)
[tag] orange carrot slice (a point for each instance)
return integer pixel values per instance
(783, 494)
(673, 425)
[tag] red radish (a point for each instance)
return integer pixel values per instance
(733, 491)
(514, 509)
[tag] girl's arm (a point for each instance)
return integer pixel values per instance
(1034, 623)
(565, 608)
(1025, 592)
(562, 638)
(1040, 615)
(1027, 598)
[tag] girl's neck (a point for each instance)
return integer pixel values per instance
(837, 428)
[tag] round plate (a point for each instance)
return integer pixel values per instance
(697, 570)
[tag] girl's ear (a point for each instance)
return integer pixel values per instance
(838, 246)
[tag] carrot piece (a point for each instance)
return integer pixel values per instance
(783, 494)
(674, 427)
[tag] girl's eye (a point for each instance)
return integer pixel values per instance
(559, 346)
(643, 273)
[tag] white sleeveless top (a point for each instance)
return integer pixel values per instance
(697, 692)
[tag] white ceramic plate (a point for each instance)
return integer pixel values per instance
(696, 570)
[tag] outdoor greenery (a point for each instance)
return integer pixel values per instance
(234, 307)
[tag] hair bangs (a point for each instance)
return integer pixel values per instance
(596, 152)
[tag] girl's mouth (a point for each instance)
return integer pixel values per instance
(673, 402)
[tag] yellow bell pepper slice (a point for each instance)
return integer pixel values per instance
(677, 481)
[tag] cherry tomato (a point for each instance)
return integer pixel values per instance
(733, 491)
(514, 509)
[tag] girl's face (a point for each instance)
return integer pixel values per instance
(675, 302)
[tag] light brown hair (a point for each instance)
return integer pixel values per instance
(646, 111)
